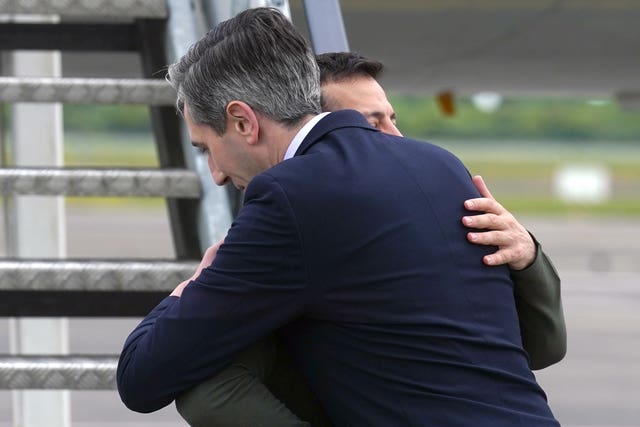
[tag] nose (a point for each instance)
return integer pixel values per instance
(218, 177)
(387, 126)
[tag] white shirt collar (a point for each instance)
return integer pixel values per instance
(301, 135)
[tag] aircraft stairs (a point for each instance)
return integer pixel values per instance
(159, 32)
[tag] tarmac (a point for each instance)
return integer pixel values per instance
(596, 385)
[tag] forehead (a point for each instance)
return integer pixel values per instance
(187, 115)
(359, 93)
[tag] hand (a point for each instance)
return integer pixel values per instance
(515, 245)
(207, 260)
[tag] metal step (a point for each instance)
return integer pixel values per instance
(58, 372)
(93, 8)
(69, 37)
(176, 183)
(153, 92)
(75, 275)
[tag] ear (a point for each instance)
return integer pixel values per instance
(242, 118)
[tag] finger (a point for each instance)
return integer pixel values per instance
(482, 187)
(486, 221)
(500, 256)
(509, 256)
(496, 258)
(210, 254)
(514, 255)
(484, 204)
(207, 258)
(489, 238)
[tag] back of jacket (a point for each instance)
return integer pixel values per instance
(406, 326)
(354, 247)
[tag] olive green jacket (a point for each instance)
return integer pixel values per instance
(542, 326)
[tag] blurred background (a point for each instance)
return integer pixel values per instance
(535, 96)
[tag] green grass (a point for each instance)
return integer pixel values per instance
(551, 206)
(117, 202)
(518, 119)
(519, 175)
(110, 149)
(126, 150)
(544, 169)
(526, 187)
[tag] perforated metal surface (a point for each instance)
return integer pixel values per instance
(93, 275)
(98, 182)
(58, 372)
(154, 92)
(102, 8)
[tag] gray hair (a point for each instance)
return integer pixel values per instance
(257, 57)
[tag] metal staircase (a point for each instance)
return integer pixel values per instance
(47, 287)
(200, 213)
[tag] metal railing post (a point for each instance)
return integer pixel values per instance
(185, 27)
(39, 232)
(326, 26)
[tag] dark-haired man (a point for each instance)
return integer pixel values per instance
(350, 81)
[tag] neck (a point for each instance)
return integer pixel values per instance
(281, 136)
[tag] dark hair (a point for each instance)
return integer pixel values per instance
(257, 57)
(339, 66)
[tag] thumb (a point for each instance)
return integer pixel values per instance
(482, 187)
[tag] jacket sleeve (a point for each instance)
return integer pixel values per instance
(539, 305)
(256, 284)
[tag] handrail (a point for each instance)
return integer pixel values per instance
(78, 8)
(100, 182)
(58, 372)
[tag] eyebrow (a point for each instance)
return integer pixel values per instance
(378, 114)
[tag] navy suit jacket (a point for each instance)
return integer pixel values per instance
(356, 248)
